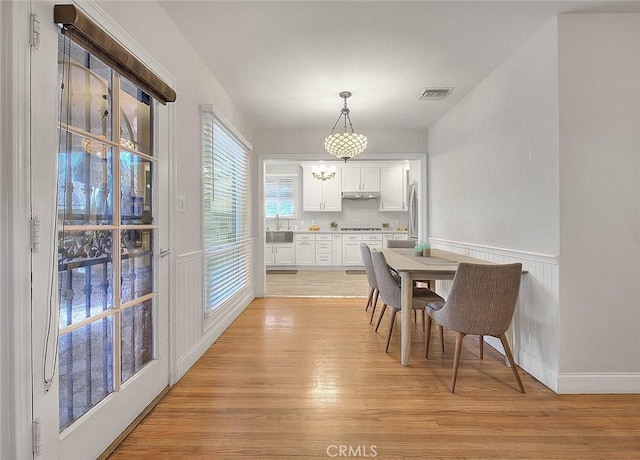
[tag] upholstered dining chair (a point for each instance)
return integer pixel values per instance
(372, 299)
(401, 243)
(481, 302)
(389, 288)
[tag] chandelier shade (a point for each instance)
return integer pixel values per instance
(345, 145)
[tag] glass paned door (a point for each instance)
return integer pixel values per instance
(99, 188)
(104, 339)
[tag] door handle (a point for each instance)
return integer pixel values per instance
(164, 252)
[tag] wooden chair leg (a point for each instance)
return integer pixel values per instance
(507, 350)
(384, 308)
(369, 299)
(424, 325)
(456, 360)
(415, 316)
(481, 346)
(442, 338)
(375, 303)
(427, 336)
(393, 320)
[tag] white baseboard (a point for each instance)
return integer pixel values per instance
(585, 383)
(210, 336)
(536, 368)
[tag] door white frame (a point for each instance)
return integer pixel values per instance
(15, 268)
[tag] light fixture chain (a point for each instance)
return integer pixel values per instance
(336, 123)
(347, 117)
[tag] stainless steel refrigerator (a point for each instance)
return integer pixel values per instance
(412, 194)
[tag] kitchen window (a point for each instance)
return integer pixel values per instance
(227, 245)
(281, 196)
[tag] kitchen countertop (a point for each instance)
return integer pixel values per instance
(345, 231)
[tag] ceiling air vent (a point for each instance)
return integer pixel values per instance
(429, 94)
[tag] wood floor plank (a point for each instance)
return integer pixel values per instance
(294, 377)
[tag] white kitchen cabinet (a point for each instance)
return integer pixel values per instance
(392, 236)
(269, 254)
(373, 240)
(305, 249)
(392, 188)
(321, 195)
(323, 249)
(336, 249)
(351, 254)
(279, 254)
(361, 179)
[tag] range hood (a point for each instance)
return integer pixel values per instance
(360, 195)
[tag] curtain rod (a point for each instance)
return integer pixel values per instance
(92, 37)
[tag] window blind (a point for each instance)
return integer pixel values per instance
(225, 215)
(281, 196)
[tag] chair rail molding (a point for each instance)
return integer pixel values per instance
(534, 256)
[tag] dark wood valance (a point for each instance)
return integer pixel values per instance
(94, 39)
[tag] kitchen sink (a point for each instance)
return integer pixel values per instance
(279, 237)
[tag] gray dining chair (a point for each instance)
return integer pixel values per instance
(372, 299)
(389, 288)
(481, 302)
(401, 243)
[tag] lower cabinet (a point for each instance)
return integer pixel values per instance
(323, 249)
(305, 249)
(351, 254)
(336, 249)
(326, 249)
(373, 240)
(279, 254)
(392, 236)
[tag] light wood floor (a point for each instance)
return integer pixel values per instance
(291, 378)
(317, 283)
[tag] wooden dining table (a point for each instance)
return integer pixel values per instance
(440, 265)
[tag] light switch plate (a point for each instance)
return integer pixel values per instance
(182, 203)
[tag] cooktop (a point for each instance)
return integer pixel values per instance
(361, 229)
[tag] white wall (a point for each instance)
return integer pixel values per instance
(599, 77)
(494, 156)
(150, 26)
(311, 142)
(493, 186)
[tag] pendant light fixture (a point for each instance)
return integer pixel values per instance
(323, 172)
(345, 144)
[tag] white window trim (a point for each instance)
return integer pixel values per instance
(214, 319)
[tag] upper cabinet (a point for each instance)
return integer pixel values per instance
(360, 179)
(321, 195)
(393, 187)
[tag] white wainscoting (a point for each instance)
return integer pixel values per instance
(534, 330)
(189, 298)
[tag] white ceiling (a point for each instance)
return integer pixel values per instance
(284, 63)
